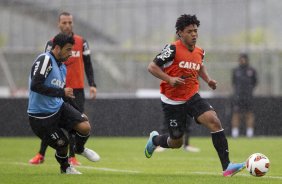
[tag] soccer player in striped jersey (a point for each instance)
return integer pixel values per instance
(179, 67)
(49, 115)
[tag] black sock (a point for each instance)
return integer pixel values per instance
(161, 140)
(71, 145)
(186, 138)
(221, 145)
(43, 147)
(63, 161)
(80, 140)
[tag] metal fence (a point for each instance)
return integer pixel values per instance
(125, 35)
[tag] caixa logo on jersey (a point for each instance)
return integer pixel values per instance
(58, 83)
(75, 53)
(189, 65)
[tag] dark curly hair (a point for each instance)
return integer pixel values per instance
(62, 39)
(186, 20)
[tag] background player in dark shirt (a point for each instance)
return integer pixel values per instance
(244, 81)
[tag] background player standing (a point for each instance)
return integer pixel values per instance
(244, 81)
(79, 62)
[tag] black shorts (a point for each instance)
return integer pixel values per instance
(242, 105)
(176, 115)
(186, 128)
(50, 129)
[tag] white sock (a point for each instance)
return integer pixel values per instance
(250, 132)
(235, 132)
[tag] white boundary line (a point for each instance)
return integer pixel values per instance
(108, 169)
(84, 167)
(137, 172)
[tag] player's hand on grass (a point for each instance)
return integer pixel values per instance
(69, 92)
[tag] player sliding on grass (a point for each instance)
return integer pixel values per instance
(178, 66)
(48, 114)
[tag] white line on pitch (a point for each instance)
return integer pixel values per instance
(109, 169)
(88, 167)
(133, 171)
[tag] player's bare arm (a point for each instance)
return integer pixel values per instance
(158, 72)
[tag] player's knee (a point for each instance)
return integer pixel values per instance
(83, 128)
(175, 143)
(176, 139)
(178, 144)
(215, 123)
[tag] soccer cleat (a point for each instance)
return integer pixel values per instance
(233, 168)
(90, 155)
(150, 147)
(73, 161)
(37, 159)
(70, 170)
(191, 149)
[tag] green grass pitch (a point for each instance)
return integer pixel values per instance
(123, 162)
